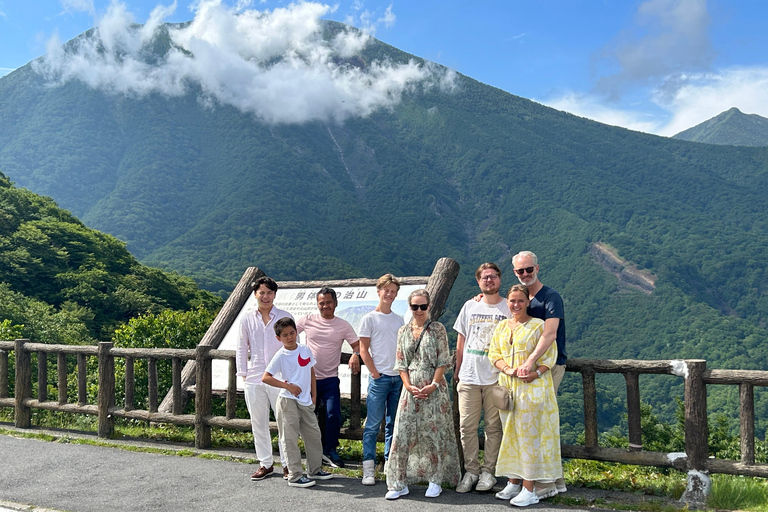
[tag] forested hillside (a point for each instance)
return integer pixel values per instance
(66, 283)
(473, 173)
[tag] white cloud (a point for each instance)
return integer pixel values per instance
(70, 6)
(274, 64)
(595, 107)
(363, 19)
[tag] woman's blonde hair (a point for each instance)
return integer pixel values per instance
(419, 293)
(519, 288)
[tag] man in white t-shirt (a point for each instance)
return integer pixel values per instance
(325, 335)
(256, 346)
(476, 378)
(378, 340)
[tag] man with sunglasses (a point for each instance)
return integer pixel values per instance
(546, 304)
(476, 377)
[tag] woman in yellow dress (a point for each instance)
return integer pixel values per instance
(530, 447)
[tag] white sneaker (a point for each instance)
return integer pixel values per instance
(394, 494)
(369, 473)
(486, 482)
(433, 491)
(467, 483)
(560, 484)
(524, 499)
(509, 492)
(545, 492)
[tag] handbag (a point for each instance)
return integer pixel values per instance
(502, 398)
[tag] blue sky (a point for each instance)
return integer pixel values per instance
(658, 66)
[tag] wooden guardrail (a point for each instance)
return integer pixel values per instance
(695, 460)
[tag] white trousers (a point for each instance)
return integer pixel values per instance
(259, 398)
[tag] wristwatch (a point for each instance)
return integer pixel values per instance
(538, 372)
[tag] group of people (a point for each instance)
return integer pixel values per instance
(515, 342)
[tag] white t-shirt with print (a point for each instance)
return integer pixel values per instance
(477, 321)
(295, 366)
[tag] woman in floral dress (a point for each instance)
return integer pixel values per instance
(530, 447)
(423, 444)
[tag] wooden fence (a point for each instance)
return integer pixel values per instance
(695, 460)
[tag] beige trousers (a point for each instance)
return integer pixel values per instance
(474, 400)
(294, 419)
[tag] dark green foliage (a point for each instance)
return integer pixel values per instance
(66, 283)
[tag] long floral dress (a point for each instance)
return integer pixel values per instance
(530, 447)
(423, 444)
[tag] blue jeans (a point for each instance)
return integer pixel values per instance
(383, 396)
(329, 401)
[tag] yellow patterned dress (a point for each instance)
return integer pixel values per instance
(530, 448)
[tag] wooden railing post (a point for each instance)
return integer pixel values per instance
(203, 407)
(106, 393)
(178, 402)
(61, 371)
(42, 376)
(23, 414)
(231, 404)
(82, 379)
(696, 434)
(355, 401)
(3, 374)
(130, 384)
(152, 384)
(590, 408)
(747, 422)
(633, 412)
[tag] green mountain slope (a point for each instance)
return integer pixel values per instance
(48, 259)
(476, 174)
(732, 128)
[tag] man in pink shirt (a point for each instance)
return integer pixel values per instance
(325, 334)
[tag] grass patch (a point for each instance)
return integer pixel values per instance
(739, 493)
(612, 476)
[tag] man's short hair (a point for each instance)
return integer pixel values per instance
(284, 323)
(328, 291)
(386, 280)
(266, 281)
(484, 266)
(523, 254)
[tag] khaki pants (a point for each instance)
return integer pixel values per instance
(474, 400)
(294, 419)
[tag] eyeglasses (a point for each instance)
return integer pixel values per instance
(521, 271)
(490, 277)
(416, 307)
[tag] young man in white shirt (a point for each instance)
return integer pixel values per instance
(378, 340)
(256, 346)
(477, 376)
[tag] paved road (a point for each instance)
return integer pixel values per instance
(85, 478)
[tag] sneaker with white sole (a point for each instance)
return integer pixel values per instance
(302, 482)
(433, 491)
(509, 492)
(485, 482)
(369, 473)
(525, 498)
(546, 492)
(560, 484)
(394, 493)
(467, 483)
(321, 475)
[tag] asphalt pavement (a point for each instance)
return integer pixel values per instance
(62, 476)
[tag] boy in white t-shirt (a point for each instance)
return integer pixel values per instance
(295, 410)
(378, 341)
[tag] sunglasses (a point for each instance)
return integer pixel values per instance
(416, 307)
(521, 271)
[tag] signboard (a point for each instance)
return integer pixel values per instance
(354, 303)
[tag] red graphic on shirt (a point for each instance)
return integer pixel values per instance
(302, 361)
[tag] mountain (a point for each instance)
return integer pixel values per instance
(731, 128)
(202, 187)
(58, 276)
